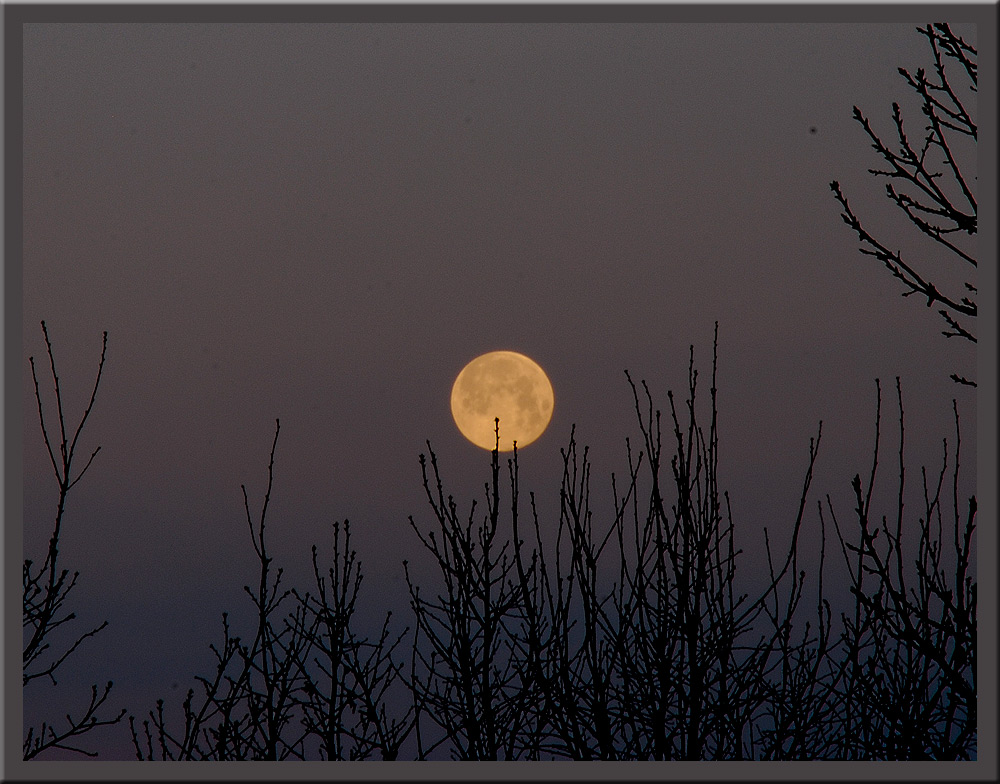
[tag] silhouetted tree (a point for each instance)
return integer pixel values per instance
(466, 683)
(246, 709)
(929, 181)
(628, 637)
(910, 649)
(47, 588)
(625, 640)
(701, 650)
(349, 680)
(306, 685)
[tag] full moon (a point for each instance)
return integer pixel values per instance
(507, 385)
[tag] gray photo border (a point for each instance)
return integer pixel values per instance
(983, 769)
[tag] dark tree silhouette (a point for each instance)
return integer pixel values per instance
(467, 681)
(47, 588)
(307, 685)
(625, 639)
(910, 665)
(620, 634)
(929, 181)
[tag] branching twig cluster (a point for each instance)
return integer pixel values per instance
(927, 182)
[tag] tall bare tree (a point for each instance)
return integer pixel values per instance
(47, 588)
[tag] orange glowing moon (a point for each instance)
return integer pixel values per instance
(507, 385)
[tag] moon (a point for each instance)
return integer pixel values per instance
(507, 385)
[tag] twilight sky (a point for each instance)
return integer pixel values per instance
(325, 223)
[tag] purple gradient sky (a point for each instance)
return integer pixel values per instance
(324, 223)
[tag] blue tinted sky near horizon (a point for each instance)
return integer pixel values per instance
(325, 223)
